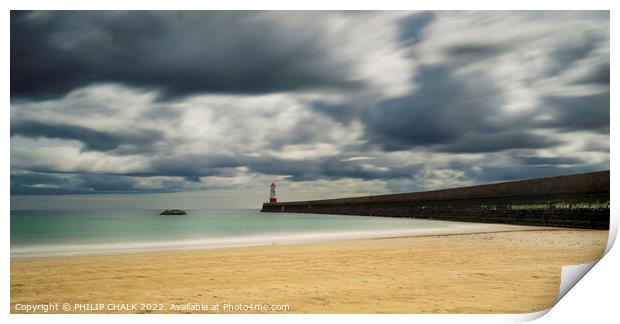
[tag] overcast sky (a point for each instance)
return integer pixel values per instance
(214, 106)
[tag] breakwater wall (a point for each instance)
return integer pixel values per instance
(577, 201)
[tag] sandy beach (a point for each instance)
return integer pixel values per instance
(507, 272)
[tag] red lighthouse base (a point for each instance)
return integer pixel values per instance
(273, 200)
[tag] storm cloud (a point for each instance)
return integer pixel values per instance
(321, 102)
(92, 139)
(179, 53)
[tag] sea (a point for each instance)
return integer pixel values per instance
(40, 233)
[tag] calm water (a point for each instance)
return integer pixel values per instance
(66, 232)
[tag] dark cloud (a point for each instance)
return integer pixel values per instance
(62, 183)
(556, 160)
(180, 170)
(500, 141)
(138, 141)
(424, 118)
(177, 52)
(84, 183)
(298, 170)
(331, 168)
(59, 184)
(38, 183)
(103, 183)
(474, 51)
(581, 47)
(193, 167)
(411, 27)
(343, 113)
(599, 75)
(585, 113)
(305, 131)
(449, 115)
(92, 139)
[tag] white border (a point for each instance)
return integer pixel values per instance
(594, 299)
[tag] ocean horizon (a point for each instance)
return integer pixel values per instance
(37, 233)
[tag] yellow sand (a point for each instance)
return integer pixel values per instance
(509, 272)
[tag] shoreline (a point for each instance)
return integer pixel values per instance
(64, 250)
(499, 272)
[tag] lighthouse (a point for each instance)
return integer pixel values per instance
(272, 194)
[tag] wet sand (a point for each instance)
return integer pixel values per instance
(507, 272)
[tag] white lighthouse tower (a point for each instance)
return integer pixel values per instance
(272, 194)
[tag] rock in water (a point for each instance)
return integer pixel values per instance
(173, 212)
